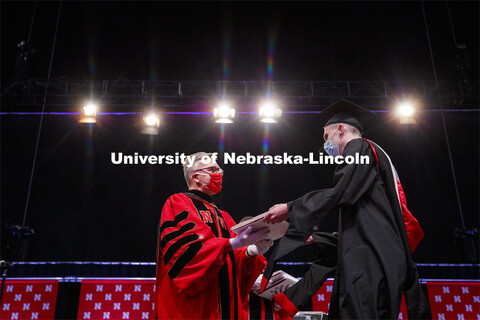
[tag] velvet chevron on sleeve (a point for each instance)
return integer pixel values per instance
(198, 275)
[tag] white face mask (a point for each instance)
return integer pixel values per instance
(331, 149)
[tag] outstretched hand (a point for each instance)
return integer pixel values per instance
(276, 214)
(247, 237)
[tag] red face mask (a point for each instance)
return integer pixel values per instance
(215, 184)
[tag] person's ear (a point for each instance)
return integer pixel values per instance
(341, 128)
(194, 178)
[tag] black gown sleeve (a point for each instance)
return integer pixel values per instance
(301, 293)
(351, 182)
(306, 214)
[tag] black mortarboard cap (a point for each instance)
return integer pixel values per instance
(344, 111)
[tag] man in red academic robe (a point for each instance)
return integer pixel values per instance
(204, 270)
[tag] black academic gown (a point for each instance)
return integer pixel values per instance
(374, 263)
(325, 245)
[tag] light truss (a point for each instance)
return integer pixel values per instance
(307, 95)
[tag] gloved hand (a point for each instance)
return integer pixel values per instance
(247, 237)
(257, 285)
(276, 306)
(280, 289)
(259, 247)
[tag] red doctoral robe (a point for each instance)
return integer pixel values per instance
(198, 275)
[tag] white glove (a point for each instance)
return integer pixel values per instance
(256, 285)
(276, 306)
(259, 247)
(280, 289)
(247, 237)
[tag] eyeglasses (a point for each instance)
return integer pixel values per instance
(212, 169)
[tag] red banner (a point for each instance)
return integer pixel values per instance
(29, 299)
(454, 300)
(116, 299)
(321, 300)
(134, 299)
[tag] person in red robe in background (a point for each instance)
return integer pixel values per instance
(258, 308)
(204, 270)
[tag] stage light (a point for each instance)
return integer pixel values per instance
(89, 113)
(405, 112)
(151, 123)
(269, 112)
(152, 120)
(224, 113)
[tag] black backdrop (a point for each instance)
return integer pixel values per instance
(85, 208)
(82, 207)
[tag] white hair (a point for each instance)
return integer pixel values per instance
(352, 129)
(188, 171)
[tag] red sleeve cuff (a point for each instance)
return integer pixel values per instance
(226, 249)
(286, 304)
